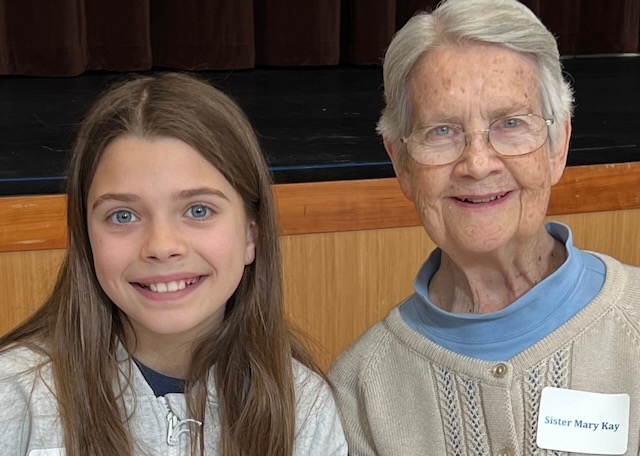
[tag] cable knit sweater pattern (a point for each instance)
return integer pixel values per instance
(401, 394)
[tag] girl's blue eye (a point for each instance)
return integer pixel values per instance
(123, 217)
(199, 211)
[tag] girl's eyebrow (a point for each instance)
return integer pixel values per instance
(183, 194)
(123, 197)
(201, 191)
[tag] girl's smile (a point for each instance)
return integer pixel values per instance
(162, 289)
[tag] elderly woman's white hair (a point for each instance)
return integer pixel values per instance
(504, 22)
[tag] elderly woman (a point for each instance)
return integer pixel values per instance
(514, 342)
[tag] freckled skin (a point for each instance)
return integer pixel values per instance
(489, 252)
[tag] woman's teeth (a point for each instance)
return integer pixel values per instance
(481, 200)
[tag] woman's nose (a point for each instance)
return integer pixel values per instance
(478, 159)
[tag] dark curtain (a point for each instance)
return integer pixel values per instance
(203, 34)
(43, 37)
(68, 37)
(591, 26)
(117, 34)
(295, 32)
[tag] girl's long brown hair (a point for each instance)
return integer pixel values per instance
(78, 327)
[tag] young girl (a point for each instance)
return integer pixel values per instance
(164, 333)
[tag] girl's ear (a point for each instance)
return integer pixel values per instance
(250, 249)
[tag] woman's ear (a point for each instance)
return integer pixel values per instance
(559, 155)
(403, 174)
(252, 237)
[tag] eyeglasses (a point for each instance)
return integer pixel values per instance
(510, 136)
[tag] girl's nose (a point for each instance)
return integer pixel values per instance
(163, 242)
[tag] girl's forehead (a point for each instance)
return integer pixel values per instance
(156, 166)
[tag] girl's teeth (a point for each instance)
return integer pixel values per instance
(169, 287)
(158, 287)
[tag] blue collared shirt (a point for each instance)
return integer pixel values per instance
(499, 336)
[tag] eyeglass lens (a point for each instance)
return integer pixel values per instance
(509, 136)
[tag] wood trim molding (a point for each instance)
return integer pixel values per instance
(378, 203)
(33, 223)
(38, 222)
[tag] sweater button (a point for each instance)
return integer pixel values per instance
(506, 452)
(499, 371)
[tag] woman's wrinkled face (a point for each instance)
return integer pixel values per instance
(481, 202)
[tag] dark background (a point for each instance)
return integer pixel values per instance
(306, 72)
(68, 37)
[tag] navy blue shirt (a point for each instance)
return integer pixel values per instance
(160, 384)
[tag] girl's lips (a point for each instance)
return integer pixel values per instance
(168, 287)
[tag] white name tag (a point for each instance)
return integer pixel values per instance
(583, 422)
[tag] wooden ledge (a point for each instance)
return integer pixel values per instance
(379, 203)
(38, 222)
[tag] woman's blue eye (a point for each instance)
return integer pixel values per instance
(440, 135)
(123, 217)
(199, 211)
(511, 123)
(442, 130)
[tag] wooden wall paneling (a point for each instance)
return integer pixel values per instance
(351, 249)
(33, 223)
(337, 284)
(615, 233)
(26, 279)
(325, 207)
(38, 222)
(378, 203)
(596, 188)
